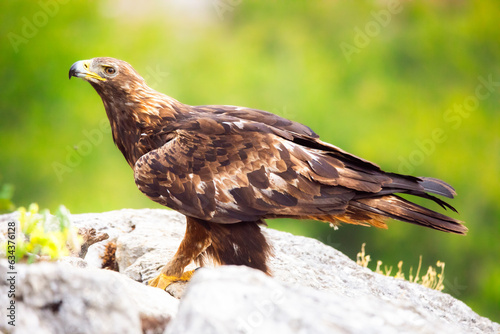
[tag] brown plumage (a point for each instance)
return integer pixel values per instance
(228, 168)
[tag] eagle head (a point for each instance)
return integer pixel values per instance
(133, 108)
(105, 73)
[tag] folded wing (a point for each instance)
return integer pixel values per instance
(225, 169)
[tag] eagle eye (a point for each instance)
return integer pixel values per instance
(109, 70)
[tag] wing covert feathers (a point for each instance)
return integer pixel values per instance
(231, 170)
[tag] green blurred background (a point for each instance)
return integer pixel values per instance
(398, 83)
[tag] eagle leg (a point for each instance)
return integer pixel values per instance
(239, 244)
(195, 241)
(162, 281)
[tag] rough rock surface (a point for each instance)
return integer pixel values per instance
(61, 298)
(315, 289)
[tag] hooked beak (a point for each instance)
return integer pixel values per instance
(80, 69)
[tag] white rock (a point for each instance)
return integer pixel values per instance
(242, 300)
(315, 289)
(60, 298)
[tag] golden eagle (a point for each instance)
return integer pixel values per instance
(228, 168)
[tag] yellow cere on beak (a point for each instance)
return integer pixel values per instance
(80, 69)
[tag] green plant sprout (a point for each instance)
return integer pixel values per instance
(41, 236)
(431, 279)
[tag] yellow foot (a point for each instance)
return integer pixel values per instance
(162, 281)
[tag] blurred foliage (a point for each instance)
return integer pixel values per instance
(6, 194)
(395, 97)
(44, 237)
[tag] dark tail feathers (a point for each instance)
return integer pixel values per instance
(437, 187)
(398, 208)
